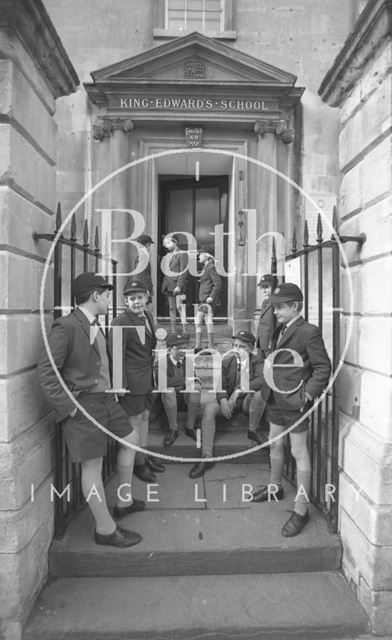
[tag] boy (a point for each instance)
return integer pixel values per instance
(78, 347)
(138, 341)
(303, 378)
(174, 399)
(173, 287)
(210, 285)
(232, 400)
(265, 329)
(145, 275)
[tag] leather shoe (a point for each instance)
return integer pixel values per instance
(294, 524)
(143, 472)
(170, 437)
(200, 468)
(154, 464)
(119, 538)
(263, 495)
(120, 512)
(255, 436)
(191, 433)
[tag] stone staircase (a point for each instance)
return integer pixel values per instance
(210, 565)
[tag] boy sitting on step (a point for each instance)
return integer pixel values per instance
(174, 399)
(232, 400)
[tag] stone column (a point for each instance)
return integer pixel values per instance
(360, 84)
(34, 71)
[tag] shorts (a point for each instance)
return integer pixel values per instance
(83, 438)
(286, 417)
(135, 404)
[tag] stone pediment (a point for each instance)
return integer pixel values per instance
(194, 74)
(195, 54)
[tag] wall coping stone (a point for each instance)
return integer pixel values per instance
(372, 27)
(33, 26)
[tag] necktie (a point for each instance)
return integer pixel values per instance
(147, 325)
(179, 364)
(96, 323)
(282, 332)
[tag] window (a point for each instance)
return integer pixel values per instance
(214, 18)
(195, 15)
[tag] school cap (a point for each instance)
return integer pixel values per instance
(175, 339)
(88, 282)
(266, 280)
(144, 239)
(245, 336)
(133, 285)
(286, 292)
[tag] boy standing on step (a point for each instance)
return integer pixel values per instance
(232, 400)
(79, 351)
(175, 397)
(299, 373)
(210, 285)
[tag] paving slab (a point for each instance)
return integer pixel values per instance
(301, 606)
(204, 538)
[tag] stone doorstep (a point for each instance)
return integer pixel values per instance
(197, 529)
(300, 606)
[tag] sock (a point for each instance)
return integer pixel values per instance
(199, 337)
(277, 465)
(124, 476)
(193, 408)
(171, 412)
(304, 477)
(210, 336)
(91, 486)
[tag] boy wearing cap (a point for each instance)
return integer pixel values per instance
(145, 275)
(231, 400)
(173, 287)
(210, 285)
(265, 329)
(79, 350)
(138, 344)
(175, 397)
(299, 373)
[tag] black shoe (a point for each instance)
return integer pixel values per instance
(263, 495)
(170, 437)
(143, 472)
(154, 464)
(197, 349)
(120, 512)
(191, 433)
(255, 436)
(294, 524)
(200, 468)
(119, 538)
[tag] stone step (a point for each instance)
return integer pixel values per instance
(301, 606)
(227, 443)
(200, 527)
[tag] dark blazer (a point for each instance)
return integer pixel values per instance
(175, 376)
(137, 357)
(77, 360)
(178, 262)
(313, 375)
(266, 326)
(229, 375)
(145, 276)
(210, 284)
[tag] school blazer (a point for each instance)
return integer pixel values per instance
(266, 326)
(178, 262)
(312, 375)
(210, 284)
(137, 357)
(229, 375)
(77, 361)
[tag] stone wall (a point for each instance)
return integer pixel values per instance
(34, 71)
(360, 84)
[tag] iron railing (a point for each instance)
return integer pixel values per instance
(319, 269)
(70, 258)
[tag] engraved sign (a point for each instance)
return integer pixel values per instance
(194, 70)
(182, 103)
(193, 136)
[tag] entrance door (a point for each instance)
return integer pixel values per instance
(194, 207)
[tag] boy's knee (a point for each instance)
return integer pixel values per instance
(95, 464)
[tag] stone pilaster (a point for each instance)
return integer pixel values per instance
(34, 71)
(359, 84)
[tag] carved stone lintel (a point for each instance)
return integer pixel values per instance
(278, 127)
(104, 126)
